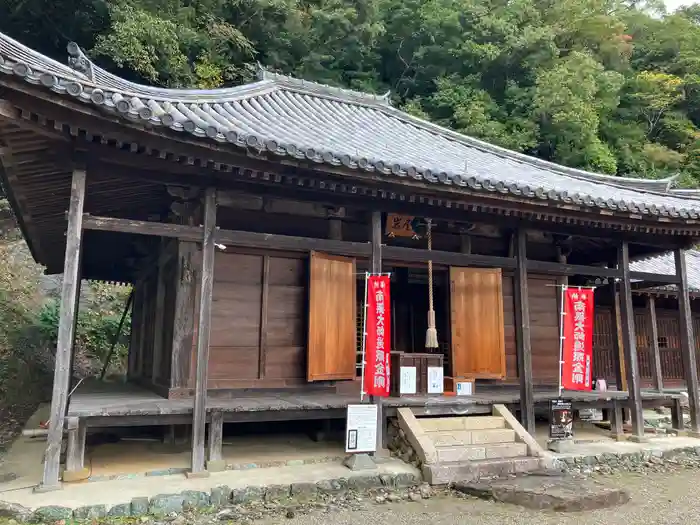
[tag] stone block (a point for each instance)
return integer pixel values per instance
(216, 465)
(139, 506)
(277, 492)
(303, 490)
(495, 435)
(247, 495)
(76, 475)
(219, 496)
(332, 486)
(122, 510)
(454, 454)
(364, 482)
(13, 511)
(90, 512)
(164, 504)
(407, 479)
(360, 462)
(195, 499)
(558, 493)
(51, 514)
(506, 450)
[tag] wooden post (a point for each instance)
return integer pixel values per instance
(159, 321)
(203, 331)
(629, 342)
(376, 267)
(264, 307)
(136, 328)
(66, 332)
(183, 323)
(616, 422)
(522, 334)
(677, 420)
(654, 337)
(688, 342)
(216, 461)
(75, 450)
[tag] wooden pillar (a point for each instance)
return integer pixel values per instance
(654, 338)
(376, 267)
(522, 334)
(66, 332)
(159, 322)
(687, 341)
(183, 322)
(629, 343)
(203, 331)
(136, 328)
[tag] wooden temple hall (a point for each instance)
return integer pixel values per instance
(245, 219)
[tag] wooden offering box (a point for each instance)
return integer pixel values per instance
(420, 362)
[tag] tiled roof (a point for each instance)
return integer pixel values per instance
(312, 122)
(665, 264)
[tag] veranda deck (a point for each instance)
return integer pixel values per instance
(122, 404)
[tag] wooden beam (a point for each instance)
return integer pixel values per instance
(161, 229)
(522, 334)
(183, 323)
(688, 342)
(203, 332)
(654, 337)
(66, 332)
(629, 342)
(376, 267)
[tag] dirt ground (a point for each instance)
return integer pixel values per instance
(661, 498)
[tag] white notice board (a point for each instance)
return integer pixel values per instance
(408, 381)
(361, 433)
(436, 380)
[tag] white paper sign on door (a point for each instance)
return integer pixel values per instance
(361, 433)
(409, 379)
(436, 380)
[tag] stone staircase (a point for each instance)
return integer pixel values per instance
(468, 448)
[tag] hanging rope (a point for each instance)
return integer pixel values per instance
(431, 340)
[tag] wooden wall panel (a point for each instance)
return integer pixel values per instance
(258, 327)
(544, 328)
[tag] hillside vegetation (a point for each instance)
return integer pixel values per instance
(607, 85)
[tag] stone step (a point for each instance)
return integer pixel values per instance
(472, 437)
(481, 452)
(447, 424)
(469, 471)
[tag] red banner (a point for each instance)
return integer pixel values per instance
(577, 369)
(378, 340)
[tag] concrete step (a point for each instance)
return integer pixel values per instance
(481, 452)
(470, 471)
(448, 424)
(472, 437)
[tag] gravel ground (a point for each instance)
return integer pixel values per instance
(664, 499)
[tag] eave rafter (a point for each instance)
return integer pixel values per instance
(76, 124)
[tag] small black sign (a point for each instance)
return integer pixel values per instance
(561, 419)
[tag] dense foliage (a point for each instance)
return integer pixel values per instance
(608, 85)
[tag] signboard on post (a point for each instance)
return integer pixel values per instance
(561, 419)
(376, 367)
(577, 341)
(361, 432)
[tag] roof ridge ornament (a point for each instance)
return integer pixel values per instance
(79, 61)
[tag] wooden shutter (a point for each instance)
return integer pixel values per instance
(332, 312)
(478, 343)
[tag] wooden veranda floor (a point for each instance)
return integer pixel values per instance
(111, 404)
